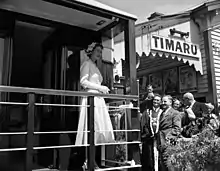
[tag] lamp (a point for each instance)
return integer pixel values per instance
(101, 22)
(217, 11)
(117, 78)
(182, 34)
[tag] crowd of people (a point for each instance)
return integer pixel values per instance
(166, 119)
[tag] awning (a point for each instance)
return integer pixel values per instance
(186, 52)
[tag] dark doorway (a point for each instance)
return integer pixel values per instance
(26, 71)
(28, 54)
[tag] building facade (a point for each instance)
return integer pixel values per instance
(179, 53)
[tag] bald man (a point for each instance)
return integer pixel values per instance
(194, 110)
(198, 108)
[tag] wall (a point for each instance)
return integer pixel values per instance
(27, 58)
(197, 37)
(107, 65)
(203, 80)
(215, 35)
(107, 53)
(213, 24)
(107, 74)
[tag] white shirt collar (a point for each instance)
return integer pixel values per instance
(156, 109)
(165, 111)
(192, 104)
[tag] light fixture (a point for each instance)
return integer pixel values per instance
(115, 19)
(117, 78)
(100, 22)
(217, 11)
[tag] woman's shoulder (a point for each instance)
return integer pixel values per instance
(86, 63)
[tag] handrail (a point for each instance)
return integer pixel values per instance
(14, 89)
(13, 103)
(32, 103)
(119, 168)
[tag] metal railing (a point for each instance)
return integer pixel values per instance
(30, 133)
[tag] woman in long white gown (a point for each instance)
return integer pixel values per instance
(90, 80)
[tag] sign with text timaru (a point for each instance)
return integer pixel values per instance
(174, 46)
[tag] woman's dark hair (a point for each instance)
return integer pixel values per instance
(91, 48)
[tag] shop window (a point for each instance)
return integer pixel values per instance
(201, 99)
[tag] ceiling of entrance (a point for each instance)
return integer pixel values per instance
(47, 10)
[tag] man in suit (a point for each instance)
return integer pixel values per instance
(169, 127)
(149, 130)
(198, 108)
(192, 121)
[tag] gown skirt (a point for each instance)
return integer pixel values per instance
(102, 123)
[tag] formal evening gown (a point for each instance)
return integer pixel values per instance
(90, 80)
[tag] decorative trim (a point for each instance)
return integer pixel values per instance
(151, 120)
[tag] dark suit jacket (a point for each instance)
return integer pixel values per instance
(145, 127)
(191, 128)
(147, 159)
(146, 104)
(170, 125)
(199, 109)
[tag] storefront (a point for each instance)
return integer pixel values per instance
(174, 66)
(175, 56)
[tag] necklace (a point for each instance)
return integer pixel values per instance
(154, 121)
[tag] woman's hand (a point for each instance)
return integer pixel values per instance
(104, 89)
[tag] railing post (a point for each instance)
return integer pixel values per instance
(91, 152)
(30, 132)
(135, 135)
